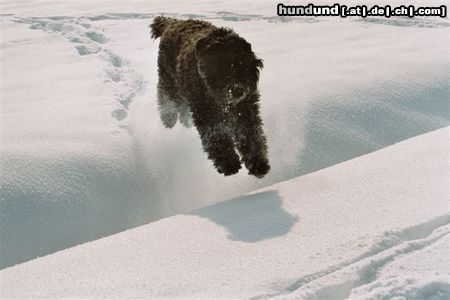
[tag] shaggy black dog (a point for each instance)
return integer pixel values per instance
(210, 75)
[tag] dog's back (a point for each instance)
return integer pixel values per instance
(159, 25)
(176, 60)
(179, 30)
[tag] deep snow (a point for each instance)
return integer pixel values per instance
(375, 227)
(84, 154)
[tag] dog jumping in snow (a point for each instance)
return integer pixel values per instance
(209, 75)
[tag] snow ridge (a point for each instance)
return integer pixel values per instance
(407, 22)
(338, 282)
(429, 22)
(219, 15)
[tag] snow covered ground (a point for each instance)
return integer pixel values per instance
(375, 227)
(83, 153)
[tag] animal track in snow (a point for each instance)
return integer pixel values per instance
(83, 50)
(125, 82)
(338, 282)
(97, 37)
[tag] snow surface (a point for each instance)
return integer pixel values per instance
(83, 153)
(375, 227)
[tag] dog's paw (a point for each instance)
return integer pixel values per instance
(186, 120)
(229, 165)
(169, 119)
(258, 167)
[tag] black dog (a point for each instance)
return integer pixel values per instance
(211, 74)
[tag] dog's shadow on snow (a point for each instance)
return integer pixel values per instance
(251, 218)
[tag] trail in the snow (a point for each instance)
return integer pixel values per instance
(88, 39)
(337, 282)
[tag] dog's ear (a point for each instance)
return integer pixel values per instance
(201, 46)
(247, 46)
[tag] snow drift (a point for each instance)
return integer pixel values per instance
(84, 154)
(375, 227)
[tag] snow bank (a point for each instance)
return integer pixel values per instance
(67, 172)
(375, 227)
(84, 154)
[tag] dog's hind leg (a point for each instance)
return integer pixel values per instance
(167, 94)
(185, 115)
(168, 110)
(167, 89)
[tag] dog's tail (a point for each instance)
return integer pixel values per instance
(159, 25)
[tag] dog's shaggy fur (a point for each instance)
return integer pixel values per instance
(209, 75)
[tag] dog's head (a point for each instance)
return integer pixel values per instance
(228, 66)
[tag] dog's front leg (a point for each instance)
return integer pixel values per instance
(250, 138)
(216, 141)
